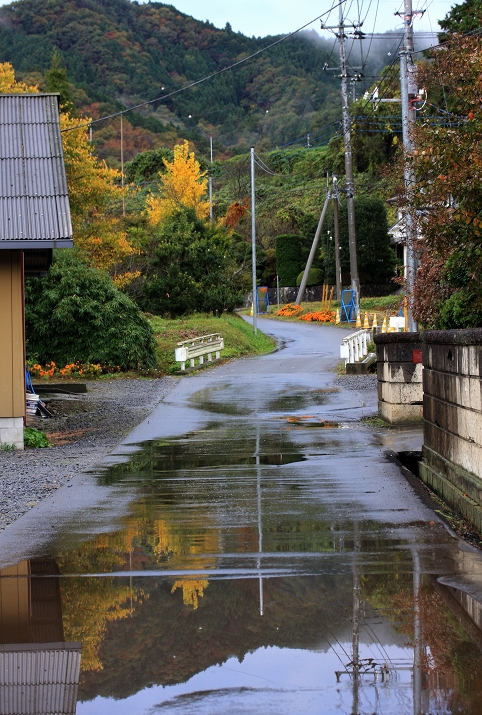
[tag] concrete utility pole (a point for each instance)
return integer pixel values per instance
(408, 87)
(314, 246)
(339, 285)
(253, 243)
(350, 186)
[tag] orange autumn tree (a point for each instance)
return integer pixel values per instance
(183, 186)
(93, 190)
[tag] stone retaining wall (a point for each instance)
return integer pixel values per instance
(452, 450)
(399, 369)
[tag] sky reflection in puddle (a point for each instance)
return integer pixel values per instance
(254, 565)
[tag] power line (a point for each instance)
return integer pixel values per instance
(207, 77)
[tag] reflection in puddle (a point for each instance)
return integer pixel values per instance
(39, 667)
(222, 400)
(259, 569)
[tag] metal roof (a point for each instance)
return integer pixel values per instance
(34, 199)
(39, 678)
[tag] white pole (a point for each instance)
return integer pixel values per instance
(122, 168)
(211, 185)
(253, 242)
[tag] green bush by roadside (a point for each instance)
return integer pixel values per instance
(76, 314)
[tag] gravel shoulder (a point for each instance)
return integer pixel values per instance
(83, 430)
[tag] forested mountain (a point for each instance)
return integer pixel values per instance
(119, 53)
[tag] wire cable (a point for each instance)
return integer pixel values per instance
(207, 77)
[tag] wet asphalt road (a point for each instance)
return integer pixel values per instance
(253, 547)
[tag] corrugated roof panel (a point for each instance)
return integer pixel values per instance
(55, 140)
(44, 177)
(9, 110)
(63, 216)
(40, 665)
(12, 177)
(13, 217)
(32, 177)
(33, 186)
(11, 143)
(42, 218)
(36, 141)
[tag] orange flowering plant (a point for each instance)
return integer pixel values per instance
(320, 316)
(75, 369)
(289, 310)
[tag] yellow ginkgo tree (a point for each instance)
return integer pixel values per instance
(8, 83)
(183, 186)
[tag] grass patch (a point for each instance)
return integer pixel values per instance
(239, 339)
(376, 422)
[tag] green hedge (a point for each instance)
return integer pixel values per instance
(288, 258)
(315, 277)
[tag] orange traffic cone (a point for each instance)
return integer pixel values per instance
(384, 325)
(358, 321)
(337, 317)
(366, 325)
(374, 324)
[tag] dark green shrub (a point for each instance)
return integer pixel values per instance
(460, 310)
(147, 165)
(77, 314)
(288, 258)
(315, 277)
(376, 260)
(193, 268)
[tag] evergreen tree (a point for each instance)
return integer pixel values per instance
(58, 81)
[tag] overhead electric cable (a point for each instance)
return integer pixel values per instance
(371, 38)
(207, 77)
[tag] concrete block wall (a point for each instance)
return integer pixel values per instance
(11, 432)
(399, 369)
(452, 451)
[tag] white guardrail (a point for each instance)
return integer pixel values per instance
(198, 348)
(354, 346)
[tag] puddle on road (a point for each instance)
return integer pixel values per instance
(223, 400)
(259, 570)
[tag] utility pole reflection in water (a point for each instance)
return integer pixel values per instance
(356, 621)
(417, 638)
(260, 522)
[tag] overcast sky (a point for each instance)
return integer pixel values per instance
(273, 17)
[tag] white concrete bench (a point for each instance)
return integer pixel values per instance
(198, 348)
